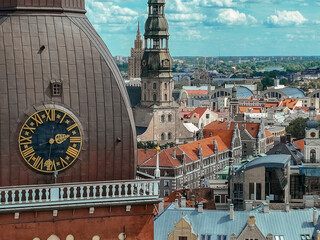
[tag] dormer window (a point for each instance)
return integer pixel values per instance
(56, 88)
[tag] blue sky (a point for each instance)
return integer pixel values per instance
(216, 27)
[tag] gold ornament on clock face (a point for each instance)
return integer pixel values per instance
(50, 140)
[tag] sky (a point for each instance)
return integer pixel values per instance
(216, 27)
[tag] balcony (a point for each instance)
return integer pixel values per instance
(79, 194)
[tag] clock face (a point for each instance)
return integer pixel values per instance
(313, 134)
(50, 140)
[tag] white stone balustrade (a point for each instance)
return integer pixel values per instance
(78, 193)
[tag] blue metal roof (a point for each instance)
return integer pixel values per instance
(243, 92)
(270, 161)
(217, 222)
(293, 92)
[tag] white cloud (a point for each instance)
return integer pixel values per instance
(180, 17)
(233, 17)
(217, 3)
(108, 12)
(286, 18)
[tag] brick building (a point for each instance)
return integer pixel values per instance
(67, 135)
(134, 61)
(193, 164)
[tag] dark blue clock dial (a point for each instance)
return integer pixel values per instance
(50, 140)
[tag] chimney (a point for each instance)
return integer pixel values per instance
(176, 204)
(268, 199)
(251, 221)
(287, 207)
(174, 154)
(288, 138)
(231, 212)
(145, 150)
(248, 205)
(183, 202)
(200, 207)
(315, 217)
(283, 139)
(161, 206)
(265, 207)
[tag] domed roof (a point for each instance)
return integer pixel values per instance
(312, 108)
(312, 124)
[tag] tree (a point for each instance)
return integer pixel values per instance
(267, 82)
(297, 128)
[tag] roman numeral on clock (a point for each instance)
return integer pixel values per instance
(28, 128)
(51, 114)
(38, 163)
(25, 140)
(71, 127)
(28, 153)
(63, 162)
(75, 139)
(72, 152)
(37, 119)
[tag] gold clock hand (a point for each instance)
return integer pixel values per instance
(60, 138)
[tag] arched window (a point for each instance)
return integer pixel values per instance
(313, 156)
(169, 135)
(53, 237)
(169, 118)
(162, 118)
(162, 136)
(165, 85)
(145, 97)
(145, 86)
(70, 237)
(166, 97)
(154, 97)
(154, 86)
(96, 238)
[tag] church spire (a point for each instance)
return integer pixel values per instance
(156, 76)
(138, 31)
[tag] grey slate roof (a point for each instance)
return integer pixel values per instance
(217, 222)
(270, 161)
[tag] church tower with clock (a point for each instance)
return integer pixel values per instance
(312, 140)
(67, 133)
(64, 110)
(156, 76)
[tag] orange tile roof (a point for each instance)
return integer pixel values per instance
(300, 144)
(252, 128)
(165, 158)
(269, 105)
(290, 103)
(204, 92)
(253, 109)
(191, 149)
(145, 154)
(225, 135)
(198, 111)
(268, 134)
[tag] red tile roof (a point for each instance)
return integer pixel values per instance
(300, 144)
(271, 104)
(202, 92)
(290, 103)
(198, 111)
(149, 158)
(252, 128)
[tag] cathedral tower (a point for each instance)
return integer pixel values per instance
(156, 77)
(312, 140)
(134, 61)
(64, 109)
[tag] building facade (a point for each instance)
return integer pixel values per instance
(193, 164)
(67, 134)
(157, 116)
(134, 61)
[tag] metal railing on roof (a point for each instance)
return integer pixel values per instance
(75, 193)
